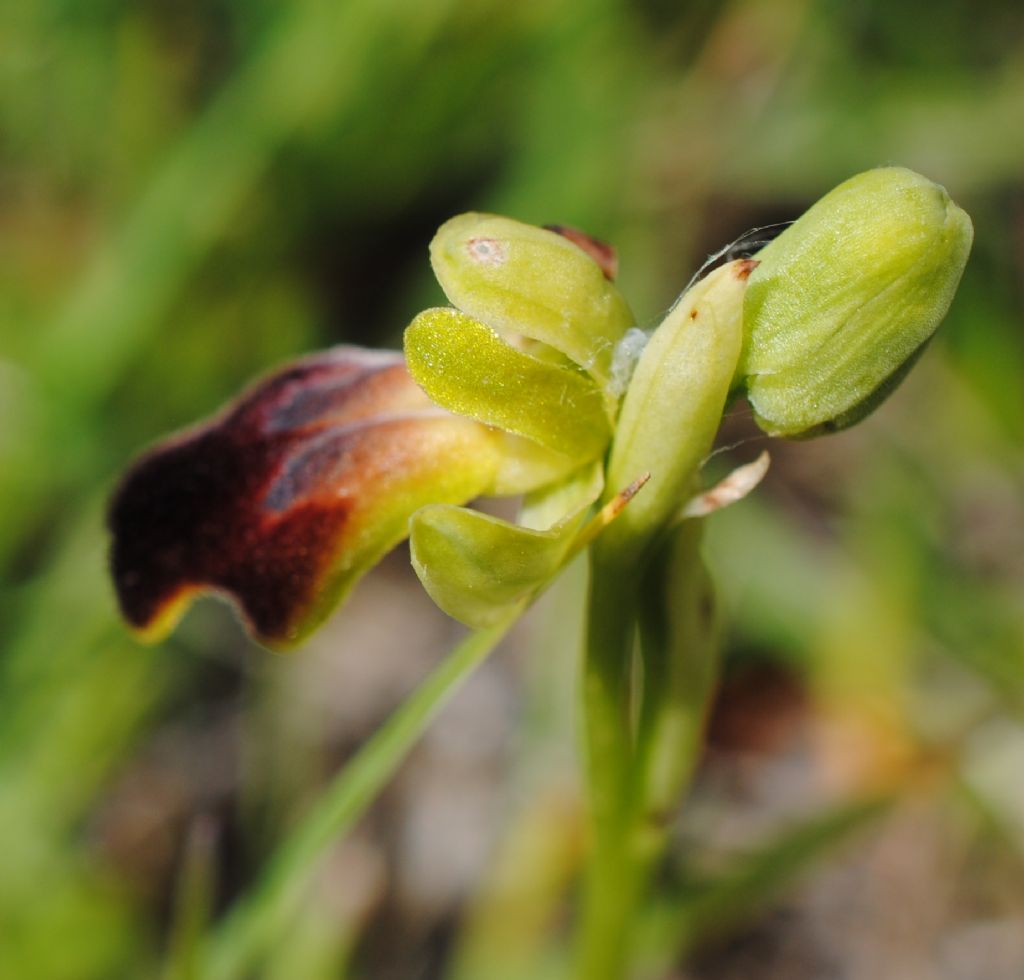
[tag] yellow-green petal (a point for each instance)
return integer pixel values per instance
(525, 466)
(477, 567)
(466, 367)
(673, 406)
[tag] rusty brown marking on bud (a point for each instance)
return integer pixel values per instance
(609, 512)
(618, 502)
(743, 267)
(601, 252)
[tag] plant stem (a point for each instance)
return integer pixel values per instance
(638, 768)
(680, 645)
(610, 883)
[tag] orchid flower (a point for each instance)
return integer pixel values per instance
(290, 494)
(536, 381)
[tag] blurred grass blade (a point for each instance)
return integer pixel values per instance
(319, 946)
(713, 908)
(258, 920)
(193, 901)
(315, 63)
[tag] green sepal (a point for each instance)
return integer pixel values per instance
(673, 406)
(525, 280)
(466, 367)
(477, 568)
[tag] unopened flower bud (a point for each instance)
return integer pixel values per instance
(843, 300)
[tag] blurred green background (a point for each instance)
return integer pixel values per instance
(192, 191)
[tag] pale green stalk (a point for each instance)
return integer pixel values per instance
(679, 633)
(639, 767)
(610, 882)
(669, 418)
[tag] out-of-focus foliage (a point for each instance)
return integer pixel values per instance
(191, 192)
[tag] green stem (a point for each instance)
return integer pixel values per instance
(610, 883)
(679, 642)
(638, 769)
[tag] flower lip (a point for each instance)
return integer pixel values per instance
(283, 500)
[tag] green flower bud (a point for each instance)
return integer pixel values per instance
(844, 299)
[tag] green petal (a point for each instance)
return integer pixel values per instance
(533, 282)
(467, 368)
(477, 567)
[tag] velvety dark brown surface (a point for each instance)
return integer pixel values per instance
(246, 504)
